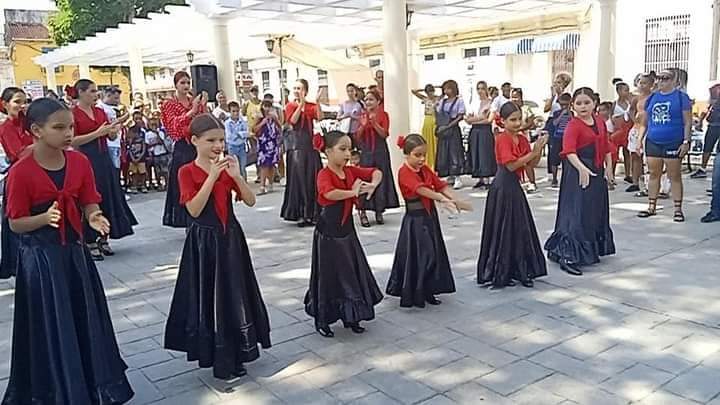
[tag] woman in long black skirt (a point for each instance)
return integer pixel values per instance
(342, 287)
(303, 162)
(176, 114)
(450, 111)
(217, 315)
(421, 268)
(481, 144)
(63, 347)
(510, 249)
(372, 140)
(16, 142)
(582, 227)
(92, 131)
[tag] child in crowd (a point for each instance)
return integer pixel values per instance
(268, 132)
(605, 110)
(137, 152)
(354, 158)
(555, 128)
(63, 344)
(510, 249)
(236, 136)
(156, 139)
(342, 287)
(421, 268)
(217, 315)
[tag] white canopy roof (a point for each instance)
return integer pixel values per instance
(164, 39)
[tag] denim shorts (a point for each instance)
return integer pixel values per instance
(664, 151)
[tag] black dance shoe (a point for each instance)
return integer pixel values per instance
(710, 217)
(354, 326)
(379, 219)
(632, 189)
(240, 372)
(430, 299)
(324, 331)
(104, 247)
(570, 268)
(528, 283)
(479, 184)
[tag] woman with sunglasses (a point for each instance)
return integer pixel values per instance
(668, 122)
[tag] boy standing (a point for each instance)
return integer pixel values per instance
(236, 136)
(137, 152)
(555, 127)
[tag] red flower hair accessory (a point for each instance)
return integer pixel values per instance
(401, 142)
(318, 142)
(71, 92)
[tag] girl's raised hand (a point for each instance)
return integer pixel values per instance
(368, 188)
(53, 215)
(357, 187)
(217, 167)
(98, 222)
(234, 167)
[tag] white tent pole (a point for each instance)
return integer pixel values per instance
(137, 74)
(223, 61)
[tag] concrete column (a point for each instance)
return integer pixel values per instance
(396, 89)
(606, 48)
(137, 73)
(84, 70)
(222, 59)
(715, 42)
(50, 80)
(414, 65)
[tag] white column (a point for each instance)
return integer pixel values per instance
(137, 73)
(84, 70)
(396, 72)
(606, 48)
(413, 78)
(50, 78)
(222, 59)
(715, 42)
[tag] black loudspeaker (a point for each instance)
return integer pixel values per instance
(204, 78)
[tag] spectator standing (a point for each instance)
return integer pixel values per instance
(110, 103)
(236, 136)
(158, 151)
(222, 111)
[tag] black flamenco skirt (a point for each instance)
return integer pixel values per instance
(385, 195)
(175, 215)
(217, 315)
(9, 242)
(302, 165)
(582, 226)
(113, 204)
(509, 247)
(421, 266)
(481, 147)
(450, 160)
(342, 287)
(64, 349)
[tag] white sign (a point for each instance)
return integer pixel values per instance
(33, 88)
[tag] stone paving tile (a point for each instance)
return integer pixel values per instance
(145, 359)
(180, 383)
(448, 377)
(350, 389)
(637, 382)
(574, 390)
(438, 400)
(201, 395)
(168, 369)
(473, 393)
(699, 384)
(532, 395)
(531, 343)
(139, 346)
(398, 387)
(666, 398)
(481, 351)
(514, 377)
(256, 397)
(376, 398)
(696, 347)
(591, 371)
(145, 391)
(427, 340)
(297, 389)
(585, 346)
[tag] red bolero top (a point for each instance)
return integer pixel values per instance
(29, 185)
(173, 115)
(14, 138)
(507, 151)
(367, 132)
(328, 181)
(307, 116)
(84, 124)
(191, 178)
(578, 135)
(410, 181)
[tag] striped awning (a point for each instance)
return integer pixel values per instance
(557, 42)
(527, 45)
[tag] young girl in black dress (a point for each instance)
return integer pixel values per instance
(510, 249)
(64, 349)
(342, 287)
(582, 227)
(421, 267)
(217, 315)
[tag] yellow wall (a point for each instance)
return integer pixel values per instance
(25, 69)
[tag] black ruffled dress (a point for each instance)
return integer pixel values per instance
(175, 215)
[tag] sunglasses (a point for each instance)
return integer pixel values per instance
(665, 77)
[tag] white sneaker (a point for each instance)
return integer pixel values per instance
(531, 188)
(458, 184)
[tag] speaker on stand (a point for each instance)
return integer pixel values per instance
(204, 78)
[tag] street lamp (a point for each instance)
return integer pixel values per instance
(270, 44)
(190, 57)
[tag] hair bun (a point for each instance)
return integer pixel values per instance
(318, 142)
(401, 141)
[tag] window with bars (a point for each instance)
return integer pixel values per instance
(265, 80)
(322, 77)
(667, 42)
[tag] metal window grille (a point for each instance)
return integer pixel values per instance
(429, 58)
(265, 80)
(322, 77)
(667, 42)
(470, 53)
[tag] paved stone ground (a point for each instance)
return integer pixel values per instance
(642, 327)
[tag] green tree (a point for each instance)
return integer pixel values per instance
(77, 19)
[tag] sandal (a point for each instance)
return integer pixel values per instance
(651, 211)
(678, 216)
(95, 252)
(641, 193)
(104, 247)
(364, 221)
